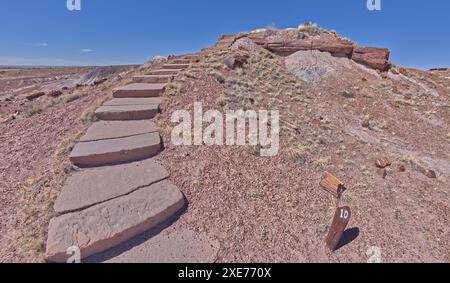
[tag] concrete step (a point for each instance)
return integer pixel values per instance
(138, 90)
(127, 112)
(165, 72)
(184, 246)
(104, 130)
(90, 187)
(152, 79)
(115, 151)
(176, 66)
(109, 224)
(133, 101)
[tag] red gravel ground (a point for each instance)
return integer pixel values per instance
(265, 209)
(273, 209)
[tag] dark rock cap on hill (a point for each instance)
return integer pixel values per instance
(309, 37)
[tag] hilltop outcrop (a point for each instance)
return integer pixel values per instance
(307, 38)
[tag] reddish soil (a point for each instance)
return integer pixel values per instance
(265, 209)
(273, 209)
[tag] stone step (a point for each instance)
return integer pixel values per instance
(90, 187)
(115, 151)
(184, 246)
(176, 66)
(165, 72)
(191, 57)
(104, 130)
(127, 112)
(109, 224)
(137, 90)
(180, 61)
(133, 101)
(152, 79)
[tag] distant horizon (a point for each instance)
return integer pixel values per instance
(62, 66)
(107, 33)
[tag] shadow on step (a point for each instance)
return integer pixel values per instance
(136, 241)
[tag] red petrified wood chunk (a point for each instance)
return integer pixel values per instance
(332, 185)
(376, 58)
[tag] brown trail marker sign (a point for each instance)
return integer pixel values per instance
(340, 222)
(342, 216)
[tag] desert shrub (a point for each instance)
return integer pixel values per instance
(72, 97)
(218, 76)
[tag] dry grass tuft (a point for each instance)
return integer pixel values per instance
(299, 152)
(88, 116)
(173, 88)
(40, 192)
(74, 96)
(41, 105)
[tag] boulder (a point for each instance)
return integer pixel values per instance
(236, 61)
(376, 58)
(55, 93)
(34, 96)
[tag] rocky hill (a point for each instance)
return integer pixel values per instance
(346, 109)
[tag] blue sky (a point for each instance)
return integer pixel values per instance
(105, 32)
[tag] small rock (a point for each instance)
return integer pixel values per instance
(34, 96)
(383, 163)
(236, 61)
(430, 174)
(100, 81)
(401, 168)
(346, 94)
(366, 123)
(55, 93)
(316, 122)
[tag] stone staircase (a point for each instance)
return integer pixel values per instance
(120, 193)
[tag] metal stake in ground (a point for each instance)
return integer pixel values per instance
(340, 222)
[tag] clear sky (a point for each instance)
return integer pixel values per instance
(105, 32)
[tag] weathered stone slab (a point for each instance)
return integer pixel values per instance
(191, 56)
(152, 79)
(165, 72)
(106, 225)
(127, 112)
(176, 66)
(139, 90)
(183, 246)
(181, 61)
(89, 187)
(133, 101)
(105, 130)
(114, 151)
